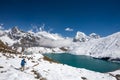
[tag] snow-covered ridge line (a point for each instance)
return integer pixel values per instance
(105, 47)
(92, 45)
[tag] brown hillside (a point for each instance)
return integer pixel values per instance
(5, 49)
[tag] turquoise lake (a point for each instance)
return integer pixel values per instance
(86, 62)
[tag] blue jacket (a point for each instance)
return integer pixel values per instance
(23, 62)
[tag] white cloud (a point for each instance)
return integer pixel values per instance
(68, 29)
(1, 26)
(42, 27)
(54, 43)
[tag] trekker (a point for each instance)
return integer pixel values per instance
(23, 64)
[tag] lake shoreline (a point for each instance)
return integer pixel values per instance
(115, 66)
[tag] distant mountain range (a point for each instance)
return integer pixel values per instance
(93, 45)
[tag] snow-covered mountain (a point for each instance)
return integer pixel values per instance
(105, 47)
(94, 36)
(16, 44)
(16, 38)
(82, 37)
(92, 45)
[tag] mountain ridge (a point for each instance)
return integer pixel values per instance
(40, 67)
(91, 45)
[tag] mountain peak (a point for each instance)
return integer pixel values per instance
(80, 36)
(15, 30)
(94, 35)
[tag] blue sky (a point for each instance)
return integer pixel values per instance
(99, 16)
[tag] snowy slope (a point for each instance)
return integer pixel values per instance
(7, 40)
(39, 69)
(103, 47)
